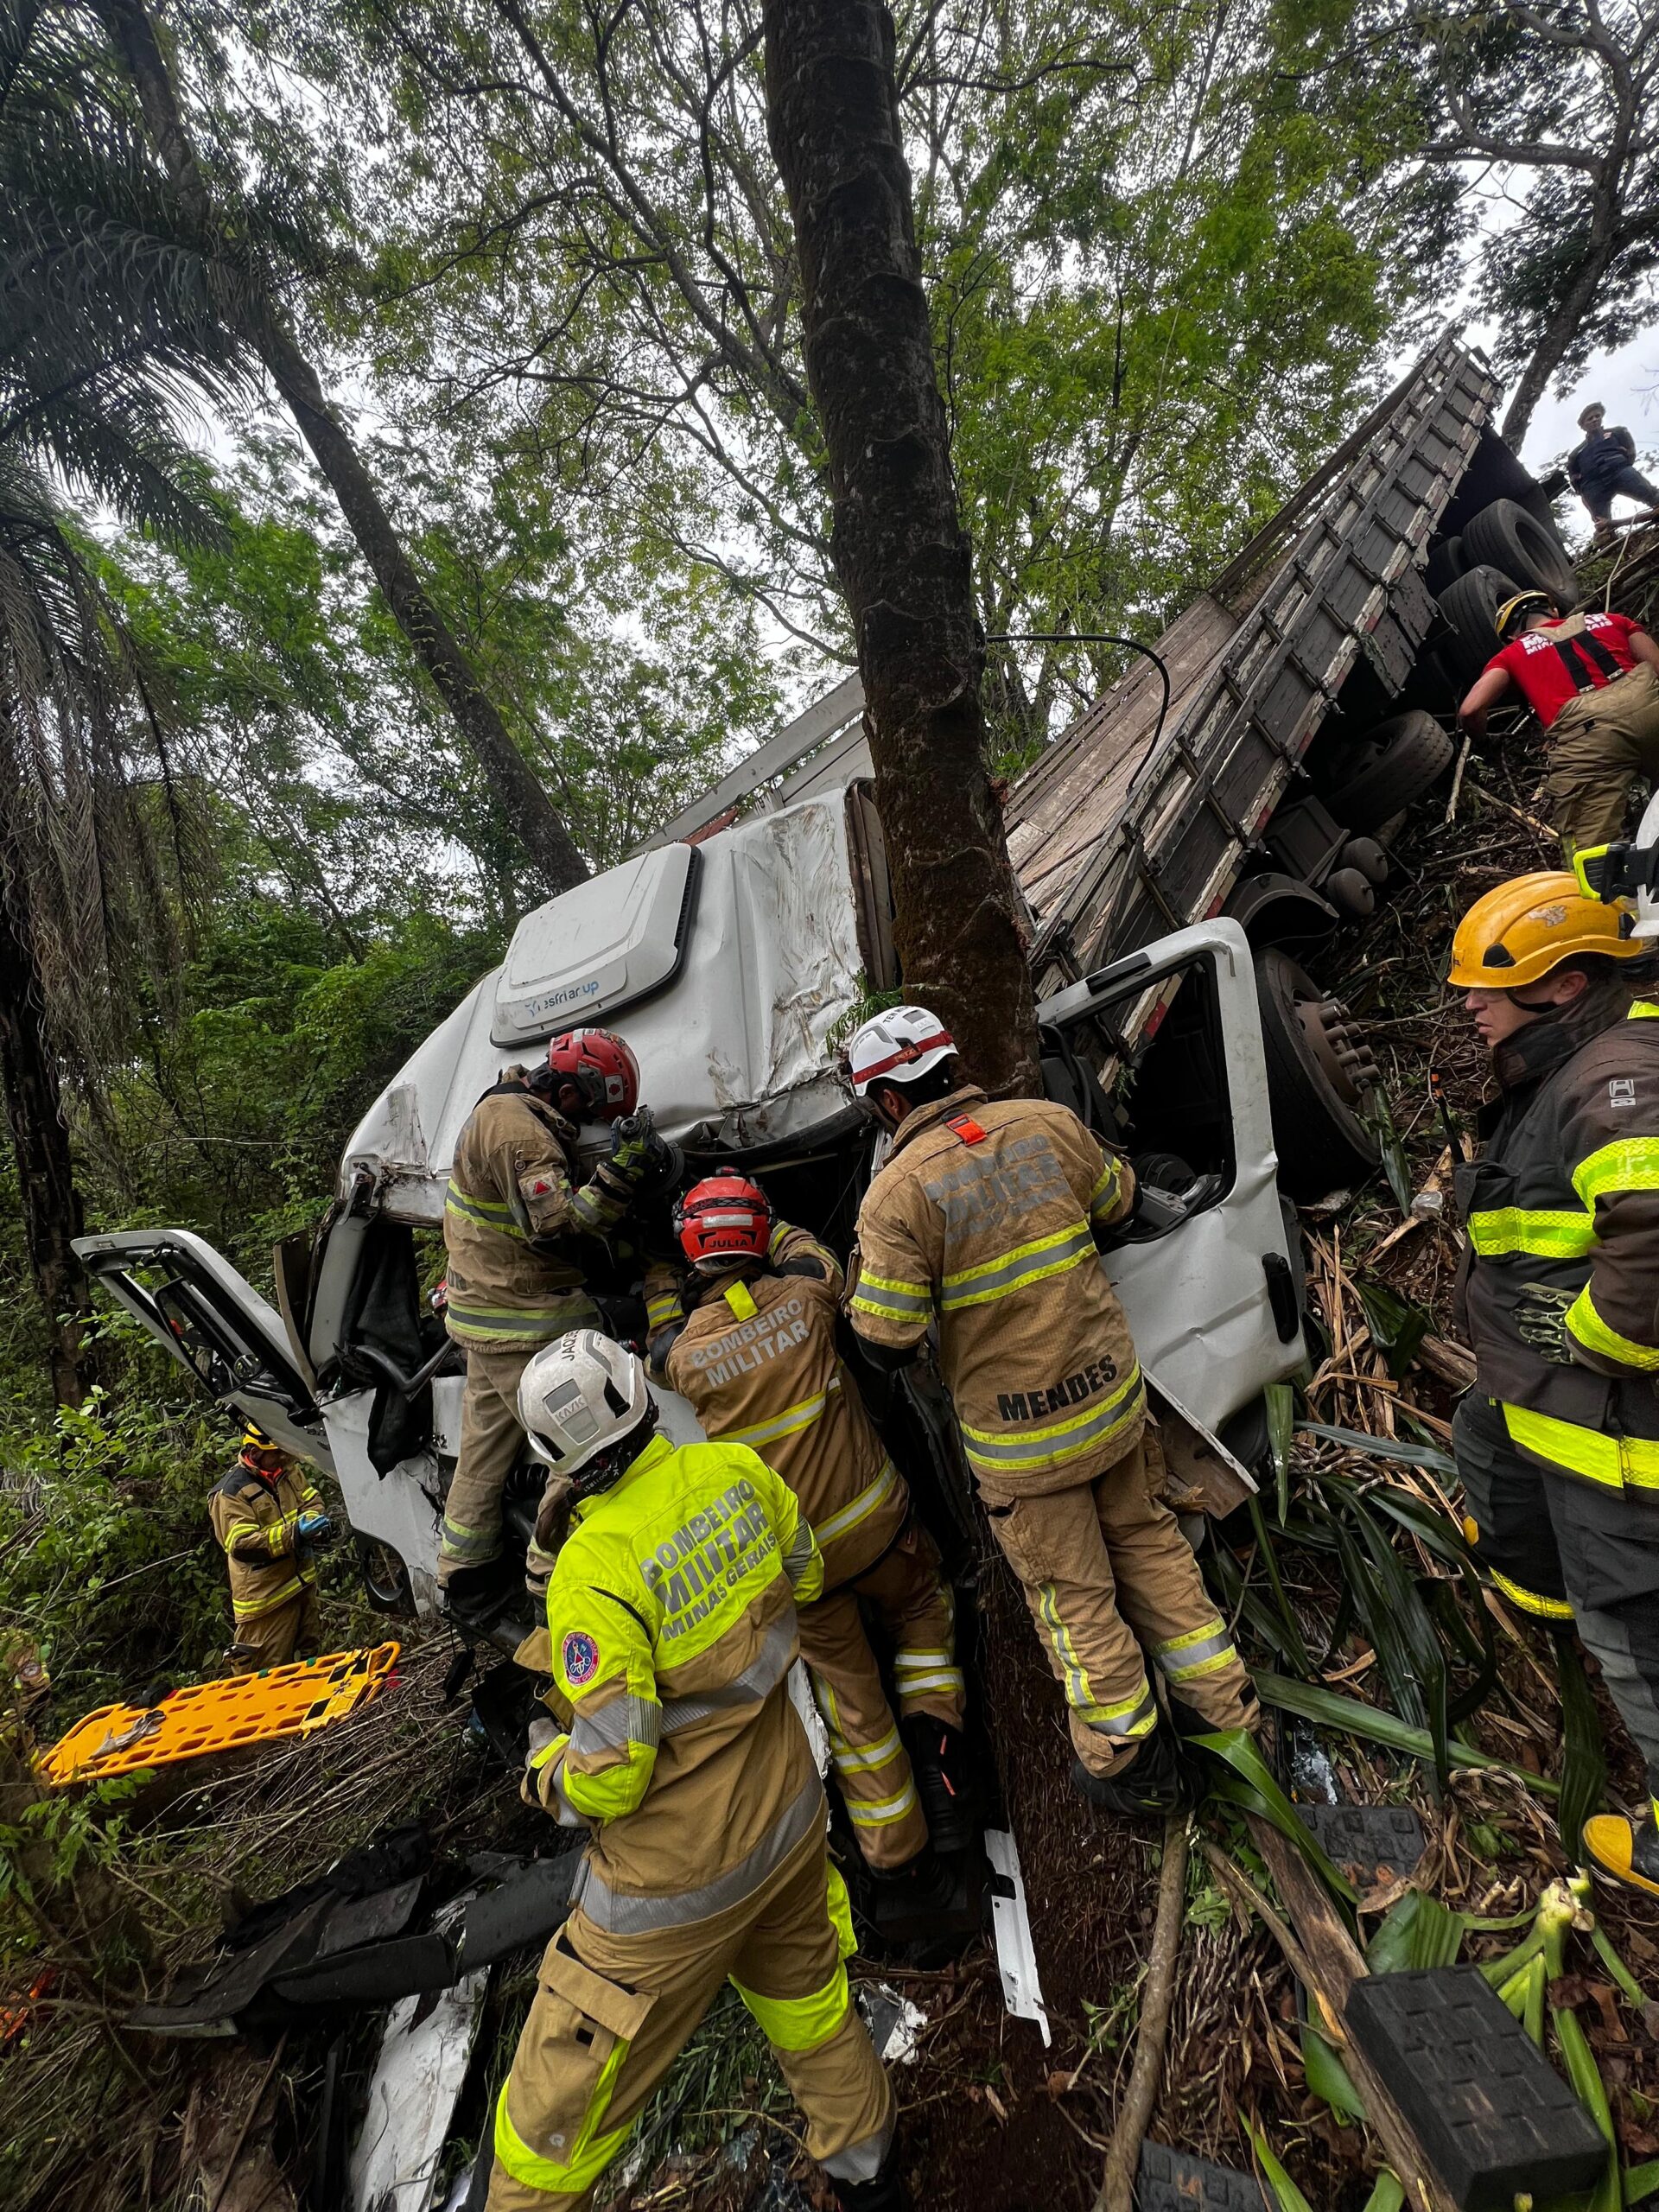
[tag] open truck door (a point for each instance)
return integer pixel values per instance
(1214, 1302)
(216, 1325)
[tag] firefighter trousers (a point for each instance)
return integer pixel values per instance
(907, 1593)
(492, 1438)
(613, 2012)
(1112, 1584)
(293, 1630)
(1599, 744)
(1560, 1548)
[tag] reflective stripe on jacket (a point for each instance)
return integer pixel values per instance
(671, 1619)
(757, 1360)
(985, 1215)
(509, 1217)
(1561, 1288)
(255, 1522)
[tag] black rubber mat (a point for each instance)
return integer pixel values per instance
(1375, 1839)
(1492, 2113)
(1173, 2181)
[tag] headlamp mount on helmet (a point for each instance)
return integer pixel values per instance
(1617, 871)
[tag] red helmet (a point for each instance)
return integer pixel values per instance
(602, 1068)
(721, 1220)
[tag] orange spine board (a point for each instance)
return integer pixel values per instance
(220, 1716)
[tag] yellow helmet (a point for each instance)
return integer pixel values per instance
(1520, 604)
(1530, 925)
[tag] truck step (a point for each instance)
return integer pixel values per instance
(1174, 2181)
(1490, 2112)
(1375, 1840)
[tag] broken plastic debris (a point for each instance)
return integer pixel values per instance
(892, 2021)
(1016, 1956)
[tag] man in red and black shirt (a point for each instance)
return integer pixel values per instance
(1592, 680)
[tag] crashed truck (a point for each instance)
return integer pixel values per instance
(1196, 850)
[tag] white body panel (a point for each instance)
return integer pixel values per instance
(734, 1051)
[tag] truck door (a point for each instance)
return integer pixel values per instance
(1214, 1303)
(216, 1325)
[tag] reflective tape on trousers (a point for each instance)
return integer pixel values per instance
(622, 1914)
(1617, 1462)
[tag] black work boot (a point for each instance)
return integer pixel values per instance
(1150, 1782)
(1625, 1851)
(938, 1763)
(886, 2193)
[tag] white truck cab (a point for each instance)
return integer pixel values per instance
(734, 967)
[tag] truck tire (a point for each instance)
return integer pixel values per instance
(1468, 604)
(385, 1579)
(1322, 1144)
(1445, 561)
(1504, 536)
(1392, 764)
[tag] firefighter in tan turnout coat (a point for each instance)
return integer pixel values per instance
(757, 1358)
(671, 1618)
(988, 1215)
(511, 1223)
(268, 1516)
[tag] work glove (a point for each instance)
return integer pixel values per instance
(314, 1528)
(1540, 1318)
(635, 1145)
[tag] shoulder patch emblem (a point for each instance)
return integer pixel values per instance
(540, 1190)
(1621, 1091)
(579, 1656)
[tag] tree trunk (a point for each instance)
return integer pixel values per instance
(40, 1143)
(1547, 355)
(519, 797)
(900, 551)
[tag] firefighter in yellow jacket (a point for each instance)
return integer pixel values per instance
(1558, 1442)
(757, 1358)
(268, 1516)
(512, 1220)
(672, 1623)
(988, 1216)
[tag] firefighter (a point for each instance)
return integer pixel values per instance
(1603, 466)
(512, 1220)
(268, 1516)
(1558, 1442)
(988, 1215)
(1591, 680)
(671, 1621)
(757, 1360)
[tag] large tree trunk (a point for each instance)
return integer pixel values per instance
(900, 554)
(1547, 356)
(40, 1143)
(519, 797)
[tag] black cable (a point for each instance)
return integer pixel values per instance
(1096, 637)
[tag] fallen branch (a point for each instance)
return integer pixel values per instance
(1123, 2157)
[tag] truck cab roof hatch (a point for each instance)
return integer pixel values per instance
(594, 950)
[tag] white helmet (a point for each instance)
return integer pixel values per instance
(897, 1046)
(581, 1396)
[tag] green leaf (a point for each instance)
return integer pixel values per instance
(1328, 2077)
(1583, 2074)
(1395, 1165)
(1281, 1425)
(1382, 1447)
(1616, 1965)
(1584, 1764)
(1389, 2195)
(1246, 1780)
(1287, 2195)
(1295, 1648)
(1419, 1931)
(1328, 1709)
(1397, 1328)
(1642, 2182)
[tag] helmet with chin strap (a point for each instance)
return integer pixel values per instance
(901, 1046)
(585, 1405)
(599, 1067)
(723, 1221)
